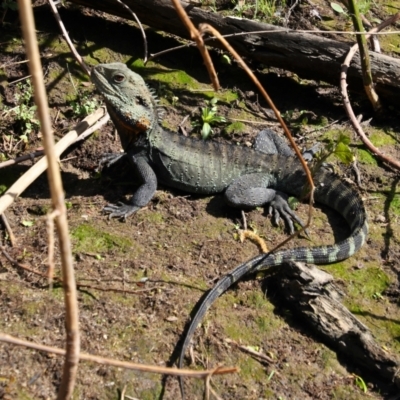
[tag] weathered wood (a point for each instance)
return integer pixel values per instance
(307, 55)
(313, 297)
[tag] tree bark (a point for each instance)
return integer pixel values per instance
(307, 55)
(313, 297)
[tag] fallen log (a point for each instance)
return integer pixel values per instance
(313, 297)
(310, 56)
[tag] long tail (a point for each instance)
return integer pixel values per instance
(332, 192)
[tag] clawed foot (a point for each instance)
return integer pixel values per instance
(279, 207)
(119, 210)
(108, 159)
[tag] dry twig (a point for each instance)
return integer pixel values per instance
(116, 363)
(346, 102)
(67, 39)
(197, 37)
(57, 197)
(8, 229)
(140, 27)
(17, 160)
(364, 56)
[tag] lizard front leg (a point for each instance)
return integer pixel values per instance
(251, 191)
(142, 196)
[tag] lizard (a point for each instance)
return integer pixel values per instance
(248, 177)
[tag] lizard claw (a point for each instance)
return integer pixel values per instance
(279, 207)
(109, 159)
(119, 210)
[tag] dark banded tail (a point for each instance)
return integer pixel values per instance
(330, 190)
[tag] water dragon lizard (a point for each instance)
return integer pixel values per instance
(249, 177)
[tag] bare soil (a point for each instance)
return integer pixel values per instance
(153, 268)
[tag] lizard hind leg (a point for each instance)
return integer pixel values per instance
(269, 142)
(251, 191)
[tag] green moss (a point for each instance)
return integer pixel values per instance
(150, 394)
(175, 78)
(333, 134)
(365, 298)
(235, 127)
(390, 43)
(137, 64)
(256, 300)
(226, 96)
(154, 217)
(251, 369)
(88, 238)
(343, 392)
(380, 138)
(365, 157)
(22, 395)
(395, 204)
(364, 282)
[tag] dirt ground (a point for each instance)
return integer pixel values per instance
(153, 268)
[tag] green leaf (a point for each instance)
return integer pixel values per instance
(293, 202)
(27, 223)
(343, 153)
(338, 8)
(226, 60)
(360, 383)
(206, 130)
(343, 138)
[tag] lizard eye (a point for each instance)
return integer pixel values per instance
(118, 78)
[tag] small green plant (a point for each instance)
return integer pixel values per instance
(242, 8)
(377, 296)
(360, 383)
(209, 117)
(84, 105)
(363, 6)
(339, 148)
(25, 111)
(266, 9)
(9, 5)
(211, 3)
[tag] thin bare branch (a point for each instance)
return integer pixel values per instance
(116, 363)
(57, 197)
(20, 159)
(140, 27)
(364, 56)
(347, 105)
(67, 39)
(8, 229)
(50, 241)
(14, 63)
(197, 37)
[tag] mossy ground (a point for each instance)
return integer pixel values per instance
(181, 244)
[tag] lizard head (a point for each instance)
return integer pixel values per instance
(129, 101)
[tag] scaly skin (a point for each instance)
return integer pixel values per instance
(248, 177)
